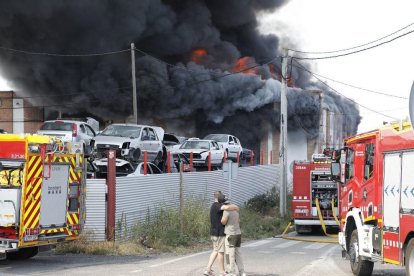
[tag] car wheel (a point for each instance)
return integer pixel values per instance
(134, 154)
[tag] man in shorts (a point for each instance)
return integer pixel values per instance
(217, 234)
(233, 239)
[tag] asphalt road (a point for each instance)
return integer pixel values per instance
(269, 257)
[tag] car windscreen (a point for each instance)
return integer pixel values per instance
(57, 125)
(121, 131)
(216, 137)
(196, 145)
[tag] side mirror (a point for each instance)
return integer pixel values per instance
(145, 138)
(336, 172)
(231, 143)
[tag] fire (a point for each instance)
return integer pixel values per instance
(242, 65)
(198, 55)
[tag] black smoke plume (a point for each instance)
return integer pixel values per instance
(200, 40)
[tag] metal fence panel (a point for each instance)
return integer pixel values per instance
(138, 198)
(95, 206)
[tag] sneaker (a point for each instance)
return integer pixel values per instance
(243, 274)
(208, 273)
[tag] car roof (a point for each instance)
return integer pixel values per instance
(199, 140)
(64, 121)
(104, 161)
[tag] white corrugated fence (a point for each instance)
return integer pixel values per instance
(142, 196)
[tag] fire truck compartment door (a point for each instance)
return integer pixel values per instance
(9, 206)
(407, 182)
(53, 205)
(391, 190)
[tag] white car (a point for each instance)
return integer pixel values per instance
(130, 141)
(229, 143)
(201, 150)
(151, 169)
(70, 130)
(123, 167)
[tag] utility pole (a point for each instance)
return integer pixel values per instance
(283, 136)
(134, 84)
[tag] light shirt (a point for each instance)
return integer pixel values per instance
(232, 226)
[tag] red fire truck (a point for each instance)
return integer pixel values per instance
(375, 170)
(314, 189)
(42, 187)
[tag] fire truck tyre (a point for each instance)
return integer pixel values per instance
(409, 258)
(23, 253)
(359, 266)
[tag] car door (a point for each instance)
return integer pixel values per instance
(231, 147)
(90, 133)
(237, 145)
(154, 143)
(146, 143)
(215, 153)
(154, 169)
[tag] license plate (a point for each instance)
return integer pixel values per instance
(30, 237)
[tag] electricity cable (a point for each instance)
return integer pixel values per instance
(356, 51)
(62, 55)
(354, 47)
(66, 94)
(357, 87)
(337, 92)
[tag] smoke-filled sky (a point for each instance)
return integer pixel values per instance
(331, 25)
(202, 41)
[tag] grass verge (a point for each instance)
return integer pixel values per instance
(165, 233)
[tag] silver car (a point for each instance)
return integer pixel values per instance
(131, 141)
(201, 149)
(229, 143)
(69, 130)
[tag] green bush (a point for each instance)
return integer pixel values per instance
(264, 203)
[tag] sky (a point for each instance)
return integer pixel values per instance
(326, 25)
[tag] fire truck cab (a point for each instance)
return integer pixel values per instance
(314, 189)
(375, 171)
(42, 185)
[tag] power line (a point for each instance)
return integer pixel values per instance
(324, 83)
(52, 105)
(66, 94)
(62, 55)
(357, 51)
(354, 47)
(357, 87)
(232, 73)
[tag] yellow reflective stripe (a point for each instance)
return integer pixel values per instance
(391, 261)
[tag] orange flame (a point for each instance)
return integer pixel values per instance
(198, 55)
(242, 65)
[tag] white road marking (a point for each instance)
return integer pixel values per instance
(286, 244)
(265, 252)
(258, 243)
(136, 271)
(323, 261)
(316, 245)
(179, 259)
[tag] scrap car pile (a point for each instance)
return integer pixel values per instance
(144, 149)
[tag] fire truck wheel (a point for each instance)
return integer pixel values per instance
(409, 258)
(23, 253)
(359, 266)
